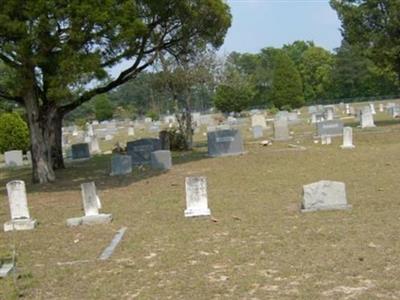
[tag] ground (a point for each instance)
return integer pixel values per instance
(256, 245)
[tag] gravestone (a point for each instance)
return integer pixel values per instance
(121, 165)
(282, 115)
(258, 120)
(14, 158)
(164, 140)
(326, 140)
(257, 132)
(89, 130)
(347, 109)
(224, 142)
(347, 138)
(80, 151)
(312, 109)
(372, 108)
(281, 130)
(196, 197)
(329, 111)
(367, 118)
(161, 160)
(91, 206)
(313, 118)
(293, 117)
(108, 137)
(140, 150)
(324, 195)
(20, 218)
(381, 107)
(94, 146)
(330, 128)
(131, 131)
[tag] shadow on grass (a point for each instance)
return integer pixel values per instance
(96, 169)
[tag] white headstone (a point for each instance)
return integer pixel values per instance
(372, 107)
(258, 120)
(94, 146)
(381, 109)
(131, 131)
(347, 109)
(281, 129)
(20, 218)
(196, 197)
(367, 118)
(324, 195)
(347, 138)
(13, 158)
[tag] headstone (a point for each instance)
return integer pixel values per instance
(313, 118)
(329, 111)
(196, 197)
(293, 117)
(148, 120)
(330, 128)
(257, 132)
(91, 206)
(312, 109)
(258, 120)
(80, 151)
(282, 115)
(281, 130)
(161, 160)
(367, 119)
(94, 146)
(324, 195)
(326, 140)
(347, 109)
(90, 131)
(121, 165)
(381, 109)
(164, 140)
(20, 218)
(347, 138)
(224, 142)
(108, 137)
(131, 131)
(140, 150)
(372, 108)
(13, 158)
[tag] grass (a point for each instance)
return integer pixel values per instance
(257, 245)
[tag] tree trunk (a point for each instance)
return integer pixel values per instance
(42, 169)
(55, 138)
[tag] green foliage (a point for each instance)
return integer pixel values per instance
(287, 86)
(14, 134)
(177, 139)
(103, 107)
(153, 115)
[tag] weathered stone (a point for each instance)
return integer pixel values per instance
(94, 146)
(196, 197)
(367, 118)
(80, 151)
(131, 131)
(281, 129)
(13, 158)
(121, 165)
(6, 269)
(161, 160)
(347, 138)
(257, 132)
(258, 120)
(20, 218)
(140, 150)
(324, 195)
(224, 142)
(330, 128)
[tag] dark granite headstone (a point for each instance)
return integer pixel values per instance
(80, 151)
(140, 150)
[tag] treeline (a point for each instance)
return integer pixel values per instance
(297, 74)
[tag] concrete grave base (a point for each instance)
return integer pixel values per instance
(90, 220)
(197, 213)
(20, 224)
(333, 207)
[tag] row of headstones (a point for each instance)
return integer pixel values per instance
(322, 195)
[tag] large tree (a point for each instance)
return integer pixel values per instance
(60, 51)
(372, 25)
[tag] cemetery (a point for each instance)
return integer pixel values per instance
(254, 222)
(222, 149)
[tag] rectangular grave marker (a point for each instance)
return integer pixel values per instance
(196, 197)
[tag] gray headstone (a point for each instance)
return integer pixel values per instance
(257, 132)
(121, 165)
(281, 129)
(140, 150)
(20, 218)
(224, 142)
(80, 151)
(324, 195)
(330, 128)
(13, 158)
(258, 120)
(161, 160)
(367, 118)
(196, 197)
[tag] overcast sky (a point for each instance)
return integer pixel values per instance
(272, 23)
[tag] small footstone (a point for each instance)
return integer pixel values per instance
(6, 269)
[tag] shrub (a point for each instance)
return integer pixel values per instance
(14, 133)
(177, 141)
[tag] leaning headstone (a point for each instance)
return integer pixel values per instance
(224, 142)
(14, 158)
(281, 129)
(91, 206)
(258, 120)
(257, 132)
(324, 195)
(140, 150)
(367, 118)
(80, 151)
(330, 128)
(196, 197)
(161, 160)
(20, 218)
(121, 165)
(347, 138)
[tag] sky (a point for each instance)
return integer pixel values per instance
(257, 24)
